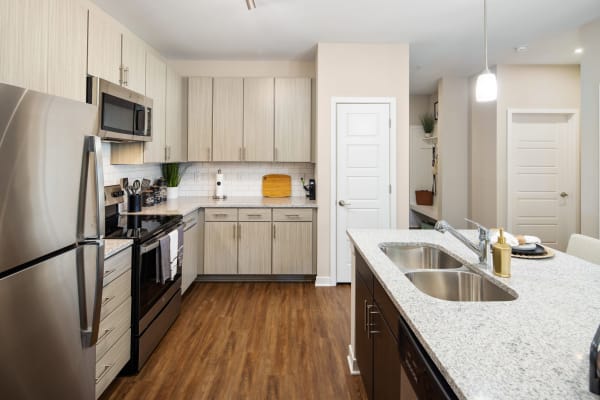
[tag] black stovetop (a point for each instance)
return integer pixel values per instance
(138, 227)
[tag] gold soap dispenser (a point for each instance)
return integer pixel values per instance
(501, 252)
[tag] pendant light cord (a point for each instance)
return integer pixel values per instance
(485, 38)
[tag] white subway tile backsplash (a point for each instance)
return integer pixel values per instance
(240, 179)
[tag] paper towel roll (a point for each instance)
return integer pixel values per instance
(219, 185)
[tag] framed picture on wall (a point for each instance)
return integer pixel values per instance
(435, 110)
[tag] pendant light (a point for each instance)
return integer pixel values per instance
(486, 88)
(250, 4)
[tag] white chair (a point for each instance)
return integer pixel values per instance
(584, 247)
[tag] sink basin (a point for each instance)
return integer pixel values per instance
(458, 286)
(419, 257)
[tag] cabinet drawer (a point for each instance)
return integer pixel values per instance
(113, 361)
(115, 293)
(113, 327)
(292, 214)
(255, 214)
(221, 214)
(115, 265)
(386, 308)
(363, 271)
(190, 220)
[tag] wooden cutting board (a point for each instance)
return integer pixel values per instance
(277, 185)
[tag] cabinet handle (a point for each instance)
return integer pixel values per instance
(108, 272)
(372, 324)
(274, 232)
(107, 300)
(126, 75)
(365, 316)
(254, 215)
(166, 154)
(240, 154)
(107, 368)
(104, 334)
(220, 215)
(292, 215)
(121, 74)
(239, 231)
(275, 155)
(244, 153)
(234, 229)
(208, 153)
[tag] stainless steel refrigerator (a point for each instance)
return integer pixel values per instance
(51, 246)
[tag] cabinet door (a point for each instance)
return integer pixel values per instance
(259, 103)
(364, 346)
(292, 119)
(220, 248)
(134, 63)
(191, 246)
(24, 43)
(156, 89)
(67, 49)
(254, 248)
(386, 360)
(200, 109)
(292, 248)
(104, 46)
(176, 134)
(228, 114)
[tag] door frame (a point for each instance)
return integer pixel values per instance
(573, 128)
(391, 102)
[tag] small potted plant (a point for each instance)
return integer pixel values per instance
(428, 123)
(173, 172)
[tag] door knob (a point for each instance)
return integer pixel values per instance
(344, 203)
(564, 194)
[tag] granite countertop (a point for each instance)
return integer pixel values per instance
(535, 347)
(185, 205)
(113, 246)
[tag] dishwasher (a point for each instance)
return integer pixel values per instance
(420, 378)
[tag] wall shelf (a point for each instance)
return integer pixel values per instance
(430, 139)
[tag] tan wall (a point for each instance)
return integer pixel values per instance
(419, 105)
(359, 70)
(234, 68)
(590, 130)
(482, 133)
(530, 86)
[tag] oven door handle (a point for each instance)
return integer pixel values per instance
(145, 248)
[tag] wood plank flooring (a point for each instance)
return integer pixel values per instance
(251, 341)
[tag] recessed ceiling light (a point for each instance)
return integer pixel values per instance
(578, 50)
(521, 49)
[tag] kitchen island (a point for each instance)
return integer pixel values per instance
(533, 347)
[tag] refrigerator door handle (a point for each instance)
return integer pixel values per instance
(90, 329)
(93, 145)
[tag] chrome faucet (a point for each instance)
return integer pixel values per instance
(480, 249)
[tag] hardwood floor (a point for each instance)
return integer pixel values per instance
(251, 341)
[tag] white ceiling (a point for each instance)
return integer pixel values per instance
(445, 35)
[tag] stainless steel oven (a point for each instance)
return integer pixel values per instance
(123, 115)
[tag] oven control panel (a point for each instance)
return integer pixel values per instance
(113, 194)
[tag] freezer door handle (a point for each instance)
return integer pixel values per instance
(90, 328)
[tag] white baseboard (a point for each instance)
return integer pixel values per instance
(324, 281)
(352, 364)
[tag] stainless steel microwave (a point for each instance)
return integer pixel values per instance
(123, 115)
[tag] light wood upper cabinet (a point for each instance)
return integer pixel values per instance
(292, 248)
(134, 63)
(228, 114)
(24, 43)
(293, 119)
(254, 248)
(156, 89)
(176, 117)
(220, 248)
(259, 108)
(200, 109)
(67, 49)
(104, 46)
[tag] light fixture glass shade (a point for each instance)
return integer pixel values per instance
(486, 88)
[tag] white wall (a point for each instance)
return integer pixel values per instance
(419, 105)
(358, 70)
(590, 131)
(452, 199)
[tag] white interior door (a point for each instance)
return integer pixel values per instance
(363, 175)
(543, 177)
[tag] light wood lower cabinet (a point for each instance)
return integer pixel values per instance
(254, 252)
(292, 248)
(247, 242)
(191, 250)
(220, 248)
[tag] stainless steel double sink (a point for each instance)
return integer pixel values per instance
(440, 275)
